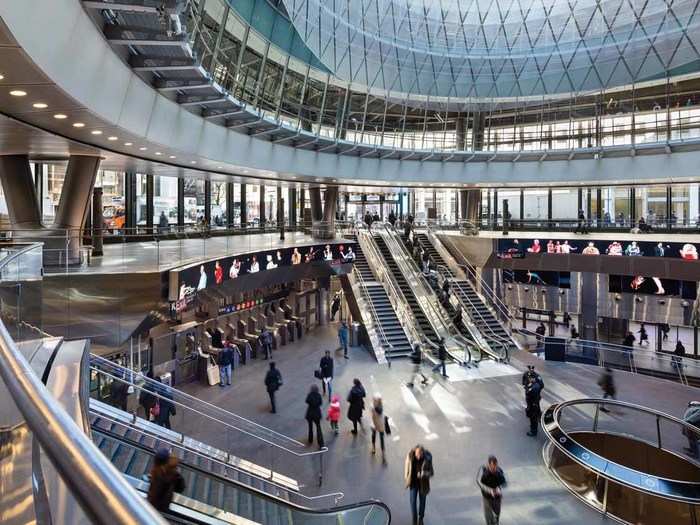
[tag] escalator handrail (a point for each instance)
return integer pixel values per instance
(565, 443)
(104, 495)
(255, 491)
(336, 496)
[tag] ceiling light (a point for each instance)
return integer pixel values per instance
(143, 148)
(18, 93)
(193, 162)
(96, 132)
(78, 125)
(171, 157)
(219, 168)
(158, 153)
(2, 77)
(128, 143)
(40, 105)
(60, 116)
(112, 138)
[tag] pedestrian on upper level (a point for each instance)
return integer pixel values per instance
(368, 220)
(343, 338)
(607, 385)
(119, 392)
(146, 398)
(314, 402)
(392, 218)
(356, 400)
(273, 382)
(326, 367)
(643, 335)
(692, 417)
(418, 469)
(166, 407)
(581, 225)
(678, 355)
(629, 340)
(165, 480)
(335, 305)
(491, 481)
(378, 425)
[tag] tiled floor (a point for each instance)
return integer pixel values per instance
(461, 421)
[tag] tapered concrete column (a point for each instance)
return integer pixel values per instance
(323, 227)
(73, 206)
(20, 193)
(316, 206)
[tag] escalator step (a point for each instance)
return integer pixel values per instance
(190, 482)
(122, 460)
(140, 465)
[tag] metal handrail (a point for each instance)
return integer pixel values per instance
(156, 387)
(560, 439)
(100, 490)
(405, 315)
(271, 497)
(408, 266)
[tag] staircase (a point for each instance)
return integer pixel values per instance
(387, 318)
(406, 290)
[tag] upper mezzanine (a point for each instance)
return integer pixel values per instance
(216, 95)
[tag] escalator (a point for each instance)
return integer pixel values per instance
(386, 318)
(218, 487)
(423, 323)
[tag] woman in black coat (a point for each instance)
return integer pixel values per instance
(356, 399)
(314, 401)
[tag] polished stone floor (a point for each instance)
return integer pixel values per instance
(460, 420)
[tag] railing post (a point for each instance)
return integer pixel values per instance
(658, 431)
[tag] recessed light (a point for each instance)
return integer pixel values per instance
(60, 116)
(78, 125)
(112, 138)
(2, 77)
(40, 105)
(219, 167)
(96, 132)
(158, 153)
(193, 162)
(128, 143)
(171, 157)
(143, 148)
(18, 93)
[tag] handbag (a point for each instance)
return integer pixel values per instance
(317, 374)
(155, 410)
(387, 428)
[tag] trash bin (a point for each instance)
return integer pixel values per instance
(355, 334)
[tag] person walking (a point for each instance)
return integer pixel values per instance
(665, 329)
(356, 400)
(491, 481)
(165, 480)
(335, 305)
(532, 401)
(692, 417)
(334, 413)
(326, 367)
(378, 425)
(166, 407)
(273, 382)
(314, 401)
(146, 398)
(343, 338)
(417, 359)
(606, 383)
(532, 373)
(678, 355)
(267, 340)
(643, 335)
(581, 226)
(119, 392)
(225, 365)
(418, 469)
(442, 357)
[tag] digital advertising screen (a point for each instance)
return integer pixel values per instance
(652, 286)
(537, 277)
(514, 248)
(191, 279)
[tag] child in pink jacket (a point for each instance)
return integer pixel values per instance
(334, 413)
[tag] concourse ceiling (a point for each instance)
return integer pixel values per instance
(500, 48)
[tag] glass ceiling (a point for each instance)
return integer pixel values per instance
(499, 48)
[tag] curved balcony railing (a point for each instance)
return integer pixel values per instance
(624, 460)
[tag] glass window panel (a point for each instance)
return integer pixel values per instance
(141, 199)
(194, 201)
(650, 203)
(164, 200)
(53, 184)
(535, 205)
(113, 212)
(252, 194)
(513, 197)
(218, 205)
(236, 204)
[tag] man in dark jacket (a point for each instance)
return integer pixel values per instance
(356, 404)
(326, 367)
(491, 481)
(532, 400)
(273, 381)
(417, 359)
(314, 401)
(418, 469)
(267, 339)
(442, 357)
(166, 407)
(165, 480)
(225, 365)
(119, 393)
(607, 385)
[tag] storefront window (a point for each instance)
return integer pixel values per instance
(236, 204)
(271, 205)
(218, 205)
(565, 203)
(141, 198)
(113, 211)
(535, 205)
(52, 186)
(684, 205)
(164, 200)
(616, 206)
(252, 194)
(194, 201)
(513, 198)
(650, 203)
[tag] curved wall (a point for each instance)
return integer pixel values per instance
(64, 43)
